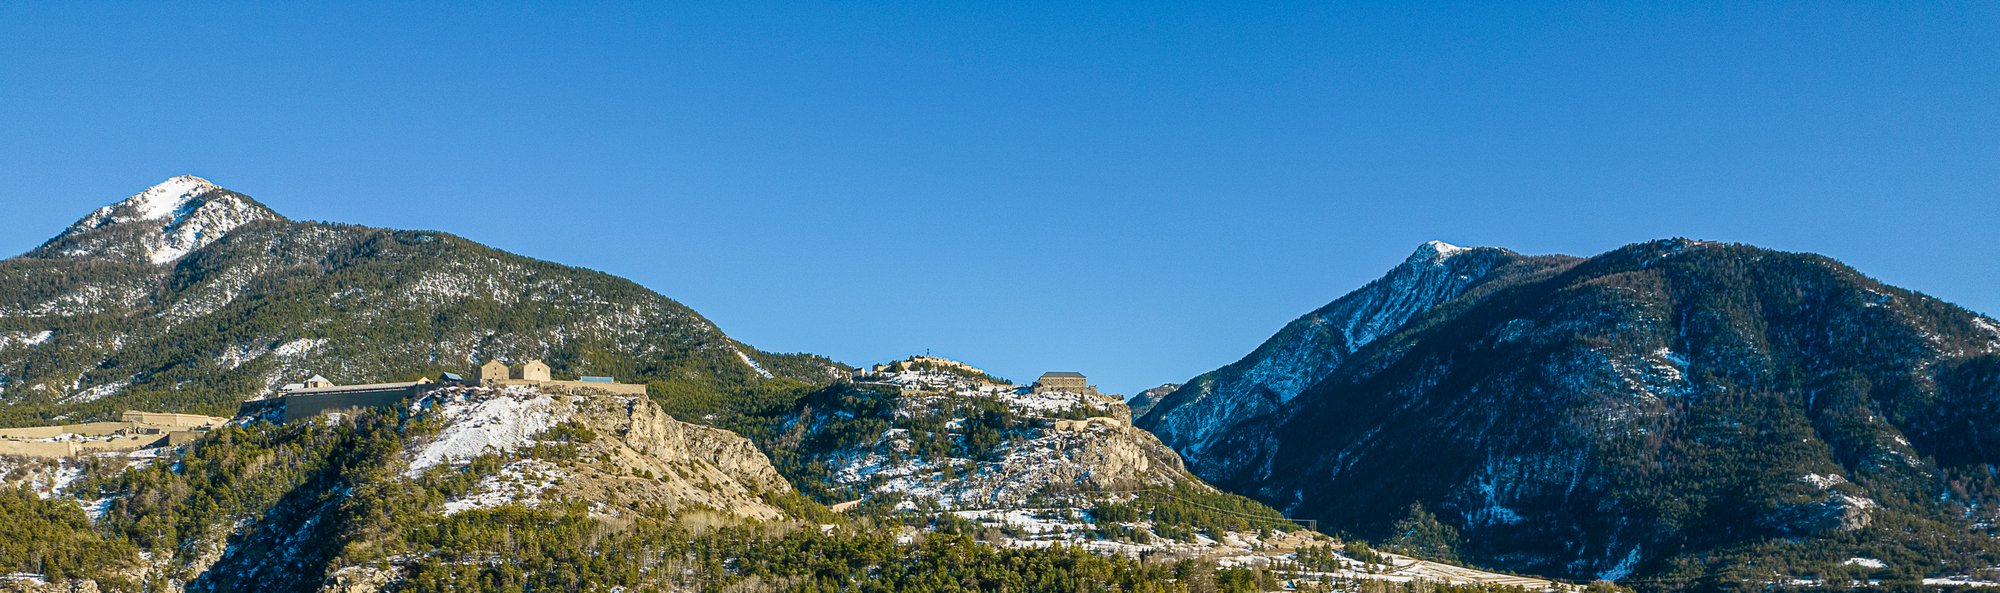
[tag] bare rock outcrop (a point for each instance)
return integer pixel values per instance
(618, 453)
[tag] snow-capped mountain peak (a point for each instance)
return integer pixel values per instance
(168, 197)
(160, 224)
(1311, 347)
(1435, 252)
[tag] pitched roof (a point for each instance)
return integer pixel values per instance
(1062, 374)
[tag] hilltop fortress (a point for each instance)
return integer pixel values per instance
(534, 372)
(318, 395)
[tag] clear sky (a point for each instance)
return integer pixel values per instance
(1139, 191)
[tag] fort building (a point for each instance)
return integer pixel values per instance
(134, 430)
(1067, 381)
(318, 396)
(536, 373)
(493, 370)
(533, 370)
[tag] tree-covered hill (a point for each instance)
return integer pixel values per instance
(188, 297)
(1676, 414)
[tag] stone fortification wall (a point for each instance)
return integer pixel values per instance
(74, 448)
(170, 420)
(95, 429)
(612, 388)
(139, 430)
(309, 405)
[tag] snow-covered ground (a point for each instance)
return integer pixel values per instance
(57, 478)
(478, 422)
(518, 483)
(751, 362)
(97, 392)
(24, 339)
(1051, 526)
(1024, 467)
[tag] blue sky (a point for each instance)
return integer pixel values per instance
(1139, 191)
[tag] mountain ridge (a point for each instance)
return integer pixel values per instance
(1673, 409)
(1189, 417)
(191, 212)
(187, 296)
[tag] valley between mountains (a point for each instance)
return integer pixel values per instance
(1673, 415)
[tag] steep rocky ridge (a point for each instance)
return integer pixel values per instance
(1146, 400)
(1195, 414)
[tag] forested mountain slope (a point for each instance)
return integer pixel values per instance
(1192, 416)
(190, 297)
(1675, 413)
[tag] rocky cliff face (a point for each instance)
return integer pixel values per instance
(1667, 411)
(625, 455)
(189, 297)
(462, 458)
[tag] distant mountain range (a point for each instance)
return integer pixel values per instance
(1675, 413)
(190, 297)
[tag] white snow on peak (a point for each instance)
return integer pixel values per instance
(161, 201)
(1311, 347)
(1435, 251)
(178, 216)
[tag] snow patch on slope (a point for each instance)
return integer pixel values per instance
(518, 483)
(752, 363)
(1988, 325)
(9, 340)
(98, 392)
(299, 347)
(476, 425)
(1624, 567)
